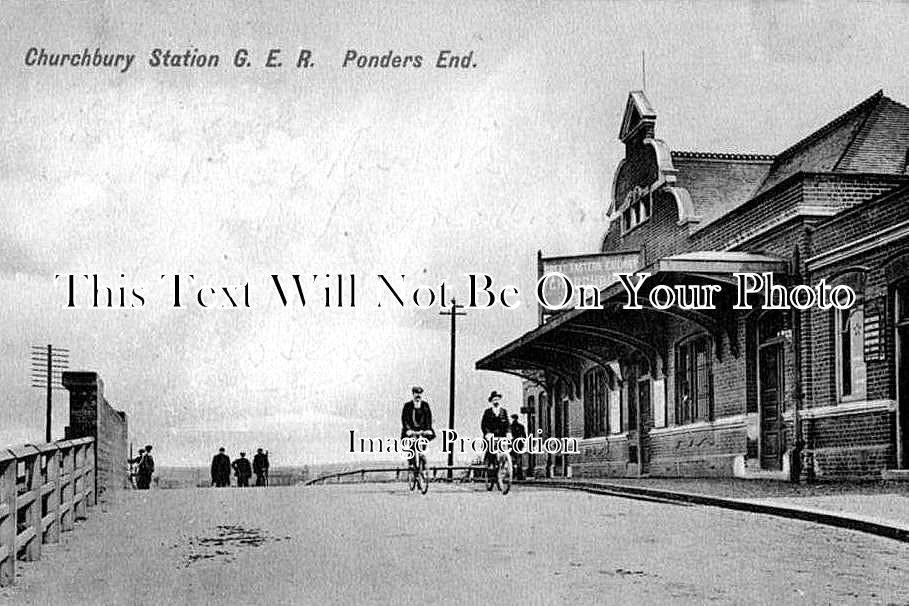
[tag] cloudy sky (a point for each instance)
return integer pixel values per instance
(235, 174)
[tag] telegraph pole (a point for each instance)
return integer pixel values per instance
(454, 313)
(48, 362)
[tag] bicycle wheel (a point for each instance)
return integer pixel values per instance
(504, 475)
(490, 477)
(412, 476)
(422, 480)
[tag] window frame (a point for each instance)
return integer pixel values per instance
(855, 278)
(842, 317)
(596, 423)
(698, 377)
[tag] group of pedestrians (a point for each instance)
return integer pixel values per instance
(141, 468)
(221, 467)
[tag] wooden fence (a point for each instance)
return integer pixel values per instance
(44, 489)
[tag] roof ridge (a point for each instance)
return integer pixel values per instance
(722, 156)
(823, 130)
(861, 133)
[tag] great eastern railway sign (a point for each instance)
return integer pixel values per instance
(597, 270)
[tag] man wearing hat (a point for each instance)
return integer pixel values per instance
(243, 470)
(260, 467)
(220, 469)
(517, 431)
(494, 424)
(416, 418)
(145, 469)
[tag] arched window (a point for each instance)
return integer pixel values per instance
(693, 380)
(849, 336)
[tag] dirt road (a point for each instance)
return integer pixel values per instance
(361, 544)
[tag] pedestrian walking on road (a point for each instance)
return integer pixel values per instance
(145, 469)
(517, 431)
(134, 468)
(260, 467)
(220, 469)
(243, 470)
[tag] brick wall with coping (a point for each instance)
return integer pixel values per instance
(91, 415)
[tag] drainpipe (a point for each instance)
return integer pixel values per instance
(795, 464)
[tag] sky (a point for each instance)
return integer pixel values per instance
(235, 174)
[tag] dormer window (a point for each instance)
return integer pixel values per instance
(636, 209)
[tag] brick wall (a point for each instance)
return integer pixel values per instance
(92, 416)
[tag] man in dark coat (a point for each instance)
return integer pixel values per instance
(416, 420)
(494, 424)
(416, 415)
(260, 468)
(243, 470)
(517, 431)
(145, 469)
(220, 469)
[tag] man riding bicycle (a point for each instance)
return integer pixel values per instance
(416, 421)
(494, 424)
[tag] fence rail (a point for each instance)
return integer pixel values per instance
(474, 472)
(44, 489)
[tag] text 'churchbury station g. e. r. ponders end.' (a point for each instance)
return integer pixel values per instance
(94, 58)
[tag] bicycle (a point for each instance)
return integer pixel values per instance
(500, 474)
(417, 477)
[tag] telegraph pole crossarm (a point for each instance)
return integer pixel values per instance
(454, 313)
(48, 364)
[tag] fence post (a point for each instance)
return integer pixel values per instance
(68, 486)
(91, 474)
(33, 509)
(7, 517)
(80, 481)
(53, 497)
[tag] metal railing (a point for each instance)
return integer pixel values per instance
(474, 472)
(44, 489)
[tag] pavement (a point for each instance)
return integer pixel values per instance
(381, 544)
(880, 508)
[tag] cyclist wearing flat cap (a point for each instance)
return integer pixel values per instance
(416, 419)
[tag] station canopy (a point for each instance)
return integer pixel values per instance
(570, 339)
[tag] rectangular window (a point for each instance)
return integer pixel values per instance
(615, 411)
(850, 352)
(645, 208)
(631, 403)
(545, 421)
(693, 381)
(595, 403)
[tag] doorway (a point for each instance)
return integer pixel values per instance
(645, 422)
(560, 398)
(902, 374)
(771, 389)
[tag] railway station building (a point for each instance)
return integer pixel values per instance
(759, 392)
